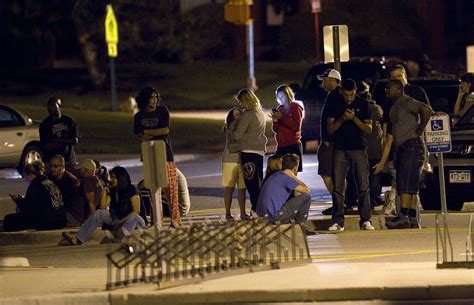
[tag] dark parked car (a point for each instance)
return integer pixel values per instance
(458, 169)
(442, 91)
(313, 95)
(19, 139)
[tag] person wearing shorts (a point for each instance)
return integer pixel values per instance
(408, 119)
(231, 168)
(331, 83)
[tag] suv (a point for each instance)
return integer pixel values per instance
(313, 95)
(20, 139)
(442, 91)
(458, 169)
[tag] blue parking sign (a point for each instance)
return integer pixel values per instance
(438, 134)
(437, 125)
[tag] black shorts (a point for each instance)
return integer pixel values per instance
(408, 163)
(325, 159)
(295, 149)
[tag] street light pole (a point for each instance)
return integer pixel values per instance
(251, 81)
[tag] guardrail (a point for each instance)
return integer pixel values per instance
(444, 246)
(206, 250)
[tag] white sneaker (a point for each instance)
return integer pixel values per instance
(367, 226)
(336, 228)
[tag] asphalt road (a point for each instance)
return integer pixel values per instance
(350, 246)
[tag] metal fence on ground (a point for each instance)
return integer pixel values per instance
(444, 246)
(207, 250)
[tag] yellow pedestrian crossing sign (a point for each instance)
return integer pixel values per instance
(112, 49)
(111, 31)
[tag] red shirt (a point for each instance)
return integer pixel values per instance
(288, 128)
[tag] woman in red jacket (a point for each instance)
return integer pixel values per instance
(287, 118)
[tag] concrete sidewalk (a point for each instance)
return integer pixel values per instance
(320, 281)
(319, 221)
(328, 281)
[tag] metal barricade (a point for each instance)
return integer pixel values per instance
(206, 250)
(444, 246)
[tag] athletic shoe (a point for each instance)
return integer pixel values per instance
(400, 222)
(336, 228)
(414, 223)
(367, 226)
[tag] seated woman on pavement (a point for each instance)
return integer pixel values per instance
(42, 208)
(119, 207)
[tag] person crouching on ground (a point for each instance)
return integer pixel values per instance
(273, 202)
(124, 213)
(231, 170)
(42, 208)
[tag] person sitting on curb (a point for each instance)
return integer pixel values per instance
(91, 186)
(42, 208)
(124, 213)
(273, 202)
(69, 185)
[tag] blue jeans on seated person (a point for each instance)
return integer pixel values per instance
(296, 208)
(101, 217)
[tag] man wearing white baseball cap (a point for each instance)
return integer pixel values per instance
(330, 73)
(331, 82)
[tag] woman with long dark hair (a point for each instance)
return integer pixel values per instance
(466, 95)
(119, 207)
(152, 123)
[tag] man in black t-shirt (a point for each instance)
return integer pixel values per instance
(347, 122)
(58, 134)
(331, 83)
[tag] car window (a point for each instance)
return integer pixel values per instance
(9, 118)
(467, 119)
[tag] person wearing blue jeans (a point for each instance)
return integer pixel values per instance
(348, 121)
(284, 197)
(120, 207)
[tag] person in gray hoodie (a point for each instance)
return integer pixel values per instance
(250, 131)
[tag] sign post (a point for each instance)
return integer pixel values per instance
(336, 44)
(438, 140)
(111, 37)
(316, 9)
(240, 12)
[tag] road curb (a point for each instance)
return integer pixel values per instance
(320, 223)
(14, 262)
(383, 293)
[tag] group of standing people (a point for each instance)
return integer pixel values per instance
(242, 160)
(359, 138)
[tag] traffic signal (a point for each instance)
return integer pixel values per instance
(238, 11)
